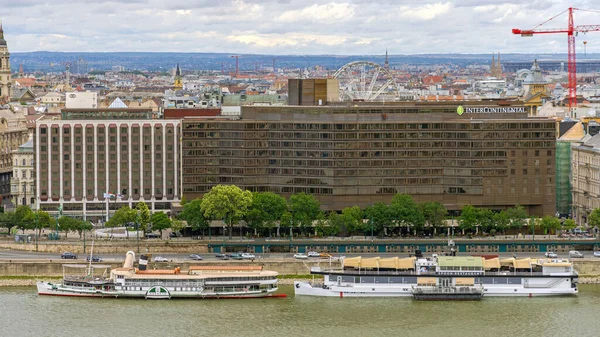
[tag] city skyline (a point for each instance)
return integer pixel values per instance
(290, 27)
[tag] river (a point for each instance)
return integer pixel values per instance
(24, 313)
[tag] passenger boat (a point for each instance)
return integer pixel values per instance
(444, 277)
(197, 282)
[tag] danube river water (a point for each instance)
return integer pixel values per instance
(23, 313)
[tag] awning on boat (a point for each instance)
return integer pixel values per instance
(427, 281)
(464, 281)
(372, 263)
(406, 263)
(557, 264)
(352, 262)
(523, 264)
(507, 262)
(389, 263)
(492, 263)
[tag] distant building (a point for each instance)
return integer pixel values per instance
(458, 153)
(5, 81)
(536, 89)
(79, 160)
(81, 100)
(23, 178)
(178, 83)
(586, 171)
(564, 193)
(13, 133)
(496, 67)
(313, 91)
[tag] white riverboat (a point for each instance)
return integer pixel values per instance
(225, 281)
(390, 277)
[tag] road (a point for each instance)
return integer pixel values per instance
(6, 255)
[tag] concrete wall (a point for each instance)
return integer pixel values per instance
(111, 248)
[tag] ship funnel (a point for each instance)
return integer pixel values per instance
(143, 264)
(129, 258)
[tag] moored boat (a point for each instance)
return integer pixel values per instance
(444, 278)
(198, 282)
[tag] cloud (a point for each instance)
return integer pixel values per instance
(288, 26)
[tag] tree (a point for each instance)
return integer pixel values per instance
(177, 225)
(143, 215)
(67, 224)
(469, 218)
(23, 218)
(486, 220)
(286, 220)
(517, 216)
(160, 221)
(569, 224)
(194, 216)
(381, 216)
(407, 212)
(352, 219)
(304, 209)
(594, 218)
(122, 217)
(44, 220)
(434, 213)
(228, 203)
(81, 226)
(7, 220)
(183, 200)
(265, 210)
(549, 223)
(501, 221)
(329, 227)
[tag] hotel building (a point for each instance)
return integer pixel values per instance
(484, 153)
(77, 161)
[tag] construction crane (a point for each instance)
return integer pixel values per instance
(237, 68)
(571, 31)
(67, 70)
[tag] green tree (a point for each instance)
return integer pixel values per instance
(228, 203)
(469, 218)
(177, 225)
(143, 215)
(407, 212)
(549, 223)
(122, 217)
(328, 227)
(286, 220)
(266, 209)
(7, 220)
(44, 220)
(434, 213)
(67, 224)
(517, 216)
(183, 200)
(23, 218)
(501, 221)
(569, 224)
(486, 220)
(352, 219)
(381, 216)
(304, 209)
(194, 216)
(81, 226)
(160, 221)
(594, 218)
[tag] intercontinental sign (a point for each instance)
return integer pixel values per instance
(490, 110)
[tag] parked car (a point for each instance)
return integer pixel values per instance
(94, 258)
(551, 255)
(161, 259)
(313, 254)
(68, 255)
(575, 254)
(248, 256)
(222, 256)
(326, 255)
(236, 256)
(300, 256)
(152, 236)
(195, 257)
(597, 254)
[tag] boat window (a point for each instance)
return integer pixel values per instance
(381, 280)
(410, 280)
(348, 279)
(485, 280)
(499, 280)
(395, 279)
(367, 279)
(514, 280)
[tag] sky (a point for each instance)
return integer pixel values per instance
(300, 27)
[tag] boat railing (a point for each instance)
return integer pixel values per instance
(447, 289)
(432, 273)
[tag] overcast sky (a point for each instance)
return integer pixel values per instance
(291, 26)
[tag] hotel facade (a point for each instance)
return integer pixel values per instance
(78, 161)
(487, 154)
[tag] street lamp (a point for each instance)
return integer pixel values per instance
(137, 230)
(36, 230)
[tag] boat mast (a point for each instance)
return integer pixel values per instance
(91, 257)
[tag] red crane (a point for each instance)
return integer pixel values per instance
(571, 31)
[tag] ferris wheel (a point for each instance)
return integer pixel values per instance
(365, 80)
